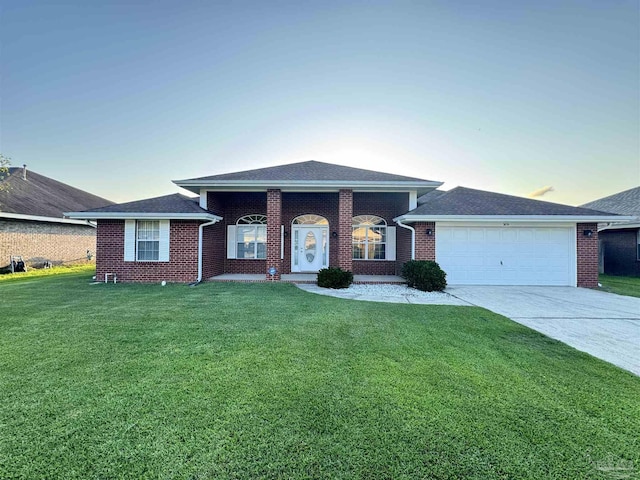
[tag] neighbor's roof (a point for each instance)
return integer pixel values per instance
(463, 203)
(310, 174)
(623, 203)
(174, 206)
(41, 197)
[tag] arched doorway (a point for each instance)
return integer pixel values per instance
(309, 243)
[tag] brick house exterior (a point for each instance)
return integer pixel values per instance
(38, 242)
(620, 242)
(307, 216)
(32, 224)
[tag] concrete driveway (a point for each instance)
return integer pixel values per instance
(602, 324)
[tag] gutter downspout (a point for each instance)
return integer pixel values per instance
(413, 238)
(200, 234)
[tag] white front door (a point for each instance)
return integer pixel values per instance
(309, 248)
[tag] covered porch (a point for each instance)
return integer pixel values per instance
(303, 278)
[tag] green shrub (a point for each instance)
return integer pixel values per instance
(424, 275)
(334, 277)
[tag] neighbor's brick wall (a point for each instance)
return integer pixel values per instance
(587, 248)
(38, 242)
(183, 254)
(425, 244)
(620, 252)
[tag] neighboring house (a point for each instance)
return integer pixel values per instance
(32, 224)
(306, 216)
(620, 241)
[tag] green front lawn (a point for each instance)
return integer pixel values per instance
(268, 381)
(629, 286)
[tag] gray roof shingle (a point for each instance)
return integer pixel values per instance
(43, 196)
(308, 172)
(467, 201)
(623, 203)
(175, 203)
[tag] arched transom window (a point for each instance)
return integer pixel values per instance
(369, 237)
(251, 237)
(310, 220)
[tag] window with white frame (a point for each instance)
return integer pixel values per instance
(251, 237)
(148, 240)
(369, 237)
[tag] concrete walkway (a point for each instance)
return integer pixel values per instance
(602, 324)
(385, 294)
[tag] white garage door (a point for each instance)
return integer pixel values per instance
(506, 255)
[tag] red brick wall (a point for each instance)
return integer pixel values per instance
(274, 225)
(213, 250)
(587, 255)
(231, 206)
(296, 204)
(38, 242)
(183, 254)
(345, 219)
(403, 248)
(425, 244)
(620, 252)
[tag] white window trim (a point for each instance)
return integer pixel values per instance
(131, 241)
(255, 242)
(389, 243)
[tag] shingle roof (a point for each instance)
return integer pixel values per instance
(43, 196)
(175, 203)
(623, 203)
(467, 201)
(308, 172)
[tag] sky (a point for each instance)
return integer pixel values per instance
(120, 97)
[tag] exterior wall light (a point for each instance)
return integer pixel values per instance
(334, 234)
(587, 233)
(429, 232)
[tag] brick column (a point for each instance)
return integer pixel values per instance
(425, 244)
(587, 255)
(345, 220)
(274, 220)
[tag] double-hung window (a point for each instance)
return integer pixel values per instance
(251, 237)
(369, 238)
(148, 240)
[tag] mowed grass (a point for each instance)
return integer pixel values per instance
(268, 381)
(629, 286)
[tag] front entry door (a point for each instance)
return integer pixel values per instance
(309, 248)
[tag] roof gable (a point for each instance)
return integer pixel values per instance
(175, 203)
(42, 196)
(462, 201)
(307, 175)
(310, 171)
(623, 203)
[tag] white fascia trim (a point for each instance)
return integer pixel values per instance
(511, 218)
(37, 218)
(619, 226)
(138, 216)
(297, 185)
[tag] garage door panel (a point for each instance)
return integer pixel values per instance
(506, 255)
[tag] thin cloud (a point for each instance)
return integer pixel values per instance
(541, 192)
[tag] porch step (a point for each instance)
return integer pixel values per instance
(302, 278)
